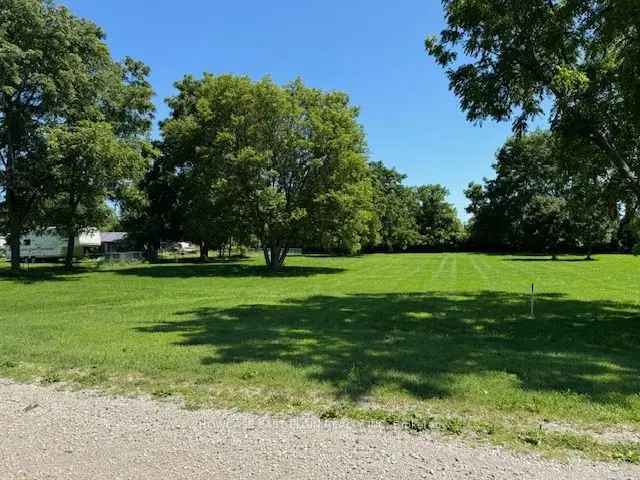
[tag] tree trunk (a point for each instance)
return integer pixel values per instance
(14, 243)
(275, 256)
(14, 227)
(71, 245)
(11, 200)
(153, 248)
(618, 160)
(204, 251)
(71, 232)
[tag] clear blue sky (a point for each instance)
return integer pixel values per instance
(373, 50)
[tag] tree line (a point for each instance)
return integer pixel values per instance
(239, 162)
(578, 60)
(539, 202)
(74, 123)
(244, 162)
(252, 163)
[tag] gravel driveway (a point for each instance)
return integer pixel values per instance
(50, 434)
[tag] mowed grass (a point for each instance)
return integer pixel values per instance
(440, 341)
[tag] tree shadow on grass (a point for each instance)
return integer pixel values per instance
(198, 261)
(422, 343)
(541, 257)
(221, 269)
(42, 273)
(549, 259)
(165, 269)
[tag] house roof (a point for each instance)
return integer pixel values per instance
(111, 237)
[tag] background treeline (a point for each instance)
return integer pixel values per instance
(578, 62)
(550, 196)
(412, 218)
(254, 164)
(239, 163)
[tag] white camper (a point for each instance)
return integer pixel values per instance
(48, 244)
(3, 247)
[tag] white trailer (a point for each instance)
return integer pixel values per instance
(49, 244)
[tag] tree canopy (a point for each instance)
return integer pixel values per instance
(504, 60)
(538, 201)
(437, 220)
(284, 163)
(56, 73)
(395, 205)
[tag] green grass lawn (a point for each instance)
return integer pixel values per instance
(428, 340)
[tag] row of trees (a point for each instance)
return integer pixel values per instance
(539, 202)
(413, 217)
(73, 122)
(580, 57)
(254, 163)
(250, 162)
(239, 161)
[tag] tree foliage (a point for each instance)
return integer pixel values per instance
(286, 164)
(536, 181)
(546, 223)
(56, 74)
(209, 124)
(149, 208)
(396, 207)
(525, 167)
(90, 165)
(437, 220)
(582, 55)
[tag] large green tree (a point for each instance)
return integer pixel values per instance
(437, 220)
(101, 149)
(591, 192)
(55, 70)
(396, 206)
(303, 174)
(91, 165)
(505, 60)
(210, 123)
(525, 166)
(546, 223)
(286, 164)
(593, 217)
(543, 165)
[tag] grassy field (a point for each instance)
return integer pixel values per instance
(439, 341)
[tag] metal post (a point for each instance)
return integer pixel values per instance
(532, 302)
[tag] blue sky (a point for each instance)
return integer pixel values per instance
(373, 50)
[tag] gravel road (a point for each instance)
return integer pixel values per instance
(51, 434)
